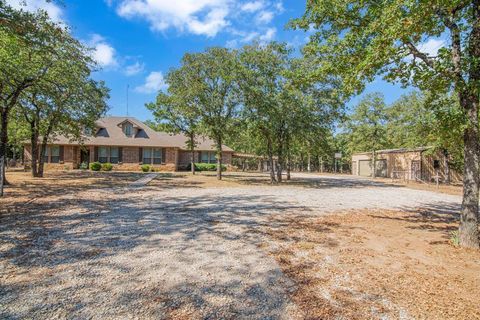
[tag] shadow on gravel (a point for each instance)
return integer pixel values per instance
(70, 233)
(317, 182)
(56, 240)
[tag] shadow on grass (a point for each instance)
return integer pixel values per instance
(435, 217)
(62, 182)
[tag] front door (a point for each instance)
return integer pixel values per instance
(85, 156)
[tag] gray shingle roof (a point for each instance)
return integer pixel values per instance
(149, 138)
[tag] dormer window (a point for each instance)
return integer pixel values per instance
(128, 129)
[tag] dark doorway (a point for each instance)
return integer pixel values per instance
(85, 156)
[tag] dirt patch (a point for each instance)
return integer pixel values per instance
(372, 264)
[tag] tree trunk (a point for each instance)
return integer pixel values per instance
(289, 163)
(272, 169)
(279, 169)
(2, 174)
(447, 166)
(270, 161)
(280, 165)
(35, 154)
(219, 158)
(192, 153)
(309, 163)
(289, 160)
(468, 232)
(41, 160)
(3, 145)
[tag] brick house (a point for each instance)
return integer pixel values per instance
(127, 143)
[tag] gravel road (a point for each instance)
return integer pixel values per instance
(170, 253)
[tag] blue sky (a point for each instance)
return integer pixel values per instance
(137, 41)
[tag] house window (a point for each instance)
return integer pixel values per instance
(208, 157)
(102, 154)
(128, 129)
(45, 155)
(147, 155)
(157, 156)
(55, 154)
(113, 155)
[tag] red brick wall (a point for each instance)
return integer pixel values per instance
(184, 157)
(171, 156)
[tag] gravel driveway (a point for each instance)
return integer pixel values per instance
(169, 253)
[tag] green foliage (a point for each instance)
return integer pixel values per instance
(107, 166)
(145, 168)
(45, 76)
(177, 111)
(83, 166)
(454, 239)
(95, 166)
(367, 125)
(286, 113)
(202, 97)
(415, 120)
(207, 167)
(361, 40)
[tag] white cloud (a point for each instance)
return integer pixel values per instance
(269, 35)
(134, 69)
(232, 44)
(264, 17)
(201, 17)
(279, 6)
(54, 11)
(252, 6)
(431, 47)
(153, 83)
(103, 53)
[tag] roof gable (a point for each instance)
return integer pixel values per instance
(144, 137)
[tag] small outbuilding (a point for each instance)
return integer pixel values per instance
(419, 164)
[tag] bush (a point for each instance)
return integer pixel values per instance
(206, 167)
(83, 166)
(145, 167)
(95, 166)
(107, 167)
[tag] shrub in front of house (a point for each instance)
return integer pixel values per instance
(206, 167)
(145, 168)
(83, 166)
(107, 167)
(95, 166)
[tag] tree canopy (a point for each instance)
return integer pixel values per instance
(359, 41)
